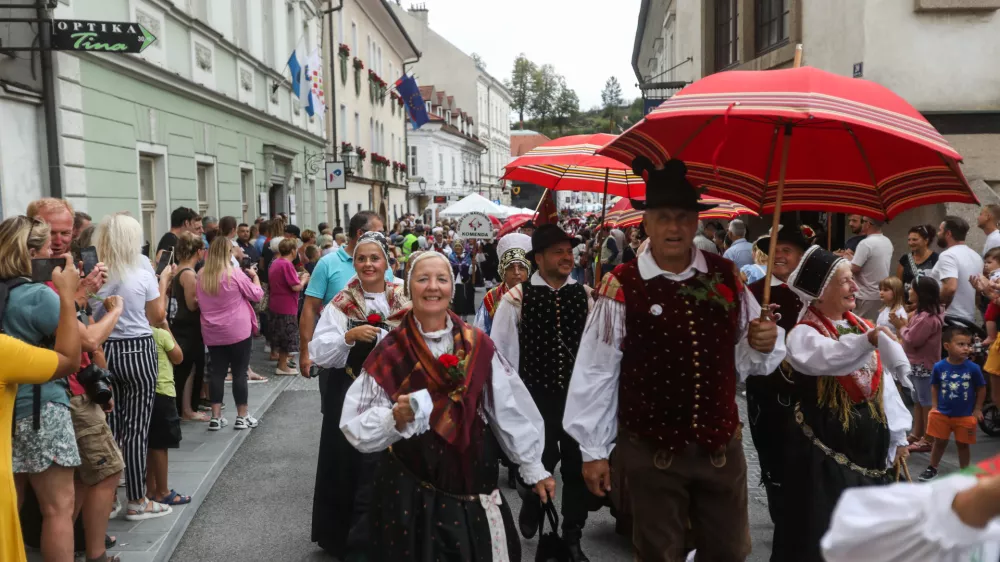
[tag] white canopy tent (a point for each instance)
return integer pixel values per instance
(474, 203)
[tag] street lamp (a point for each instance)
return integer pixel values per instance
(423, 186)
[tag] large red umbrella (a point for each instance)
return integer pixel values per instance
(800, 139)
(569, 164)
(513, 223)
(623, 215)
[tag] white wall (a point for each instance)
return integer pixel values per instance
(21, 156)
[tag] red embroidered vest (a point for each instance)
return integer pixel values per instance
(678, 372)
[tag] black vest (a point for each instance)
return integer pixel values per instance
(549, 335)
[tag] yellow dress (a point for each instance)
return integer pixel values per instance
(22, 364)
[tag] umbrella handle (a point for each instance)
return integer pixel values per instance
(786, 143)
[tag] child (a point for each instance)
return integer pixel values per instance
(165, 424)
(312, 256)
(921, 339)
(890, 290)
(958, 390)
(991, 267)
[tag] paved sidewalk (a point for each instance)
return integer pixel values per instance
(194, 468)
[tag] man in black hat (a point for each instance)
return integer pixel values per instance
(655, 381)
(769, 399)
(537, 328)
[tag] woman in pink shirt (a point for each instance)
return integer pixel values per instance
(227, 325)
(283, 306)
(921, 339)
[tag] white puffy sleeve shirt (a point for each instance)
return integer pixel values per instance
(328, 347)
(906, 523)
(370, 427)
(813, 354)
(592, 404)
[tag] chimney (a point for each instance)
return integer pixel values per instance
(419, 11)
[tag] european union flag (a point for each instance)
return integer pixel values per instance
(410, 92)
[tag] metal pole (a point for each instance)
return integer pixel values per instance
(604, 209)
(333, 112)
(49, 100)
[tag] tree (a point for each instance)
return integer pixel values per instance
(480, 63)
(545, 92)
(611, 97)
(520, 85)
(567, 105)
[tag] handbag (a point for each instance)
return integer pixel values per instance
(261, 306)
(551, 547)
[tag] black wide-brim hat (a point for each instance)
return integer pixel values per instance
(546, 236)
(801, 236)
(667, 187)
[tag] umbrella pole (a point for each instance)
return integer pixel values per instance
(786, 143)
(829, 231)
(604, 209)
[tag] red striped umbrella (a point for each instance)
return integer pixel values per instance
(800, 139)
(513, 223)
(623, 215)
(569, 164)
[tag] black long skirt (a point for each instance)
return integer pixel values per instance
(815, 480)
(414, 522)
(464, 300)
(344, 476)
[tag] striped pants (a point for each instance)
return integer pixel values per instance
(133, 367)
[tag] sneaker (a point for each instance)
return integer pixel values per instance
(267, 349)
(215, 424)
(292, 363)
(116, 509)
(247, 422)
(927, 475)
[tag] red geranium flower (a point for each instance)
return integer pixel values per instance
(725, 292)
(448, 360)
(374, 318)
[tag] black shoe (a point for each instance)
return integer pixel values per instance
(530, 516)
(927, 475)
(575, 551)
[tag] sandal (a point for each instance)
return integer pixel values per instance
(173, 498)
(921, 446)
(109, 541)
(911, 438)
(148, 509)
(198, 417)
(105, 558)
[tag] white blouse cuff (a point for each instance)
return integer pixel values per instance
(422, 406)
(944, 525)
(591, 454)
(533, 473)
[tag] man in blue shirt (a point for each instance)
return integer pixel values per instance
(329, 277)
(741, 251)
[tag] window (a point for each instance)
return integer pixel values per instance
(772, 24)
(147, 192)
(359, 207)
(290, 28)
(371, 135)
(378, 57)
(241, 33)
(246, 192)
(268, 31)
(347, 215)
(200, 11)
(340, 25)
(441, 168)
(412, 168)
(428, 106)
(204, 184)
(381, 138)
(354, 38)
(343, 124)
(371, 54)
(357, 129)
(392, 145)
(725, 33)
(454, 179)
(392, 72)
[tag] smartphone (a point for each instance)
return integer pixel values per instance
(165, 258)
(41, 268)
(89, 256)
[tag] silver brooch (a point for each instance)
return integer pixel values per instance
(656, 310)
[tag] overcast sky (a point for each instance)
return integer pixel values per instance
(586, 40)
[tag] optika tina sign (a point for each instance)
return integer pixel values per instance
(100, 36)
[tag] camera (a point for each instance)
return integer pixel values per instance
(97, 382)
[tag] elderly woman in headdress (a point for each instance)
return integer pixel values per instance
(514, 267)
(437, 400)
(850, 423)
(350, 327)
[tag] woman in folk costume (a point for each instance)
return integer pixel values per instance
(348, 330)
(514, 267)
(464, 301)
(438, 400)
(849, 421)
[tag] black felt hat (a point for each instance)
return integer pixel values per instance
(802, 236)
(813, 274)
(667, 187)
(546, 236)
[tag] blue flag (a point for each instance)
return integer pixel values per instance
(295, 67)
(414, 102)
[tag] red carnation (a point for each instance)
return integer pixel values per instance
(374, 318)
(724, 291)
(448, 360)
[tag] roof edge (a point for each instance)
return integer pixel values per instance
(399, 25)
(639, 33)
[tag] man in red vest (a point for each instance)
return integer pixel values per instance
(670, 336)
